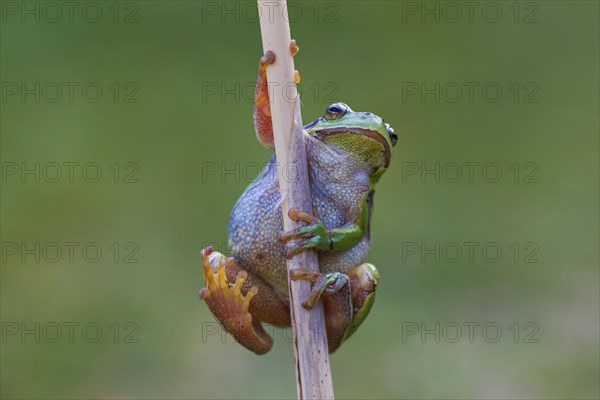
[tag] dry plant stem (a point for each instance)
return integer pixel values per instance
(313, 373)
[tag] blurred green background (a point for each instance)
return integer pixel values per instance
(175, 121)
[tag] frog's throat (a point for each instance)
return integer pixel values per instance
(320, 134)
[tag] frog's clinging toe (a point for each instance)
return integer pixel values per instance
(267, 58)
(301, 216)
(294, 49)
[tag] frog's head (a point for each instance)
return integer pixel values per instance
(362, 134)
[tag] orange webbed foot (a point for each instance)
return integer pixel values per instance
(229, 305)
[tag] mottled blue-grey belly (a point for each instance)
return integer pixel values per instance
(256, 223)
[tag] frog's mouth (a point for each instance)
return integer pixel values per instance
(365, 132)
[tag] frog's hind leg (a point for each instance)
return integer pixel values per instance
(347, 299)
(241, 301)
(363, 283)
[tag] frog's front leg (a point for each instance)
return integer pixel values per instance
(347, 299)
(262, 103)
(241, 301)
(316, 236)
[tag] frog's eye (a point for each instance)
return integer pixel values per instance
(336, 111)
(392, 133)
